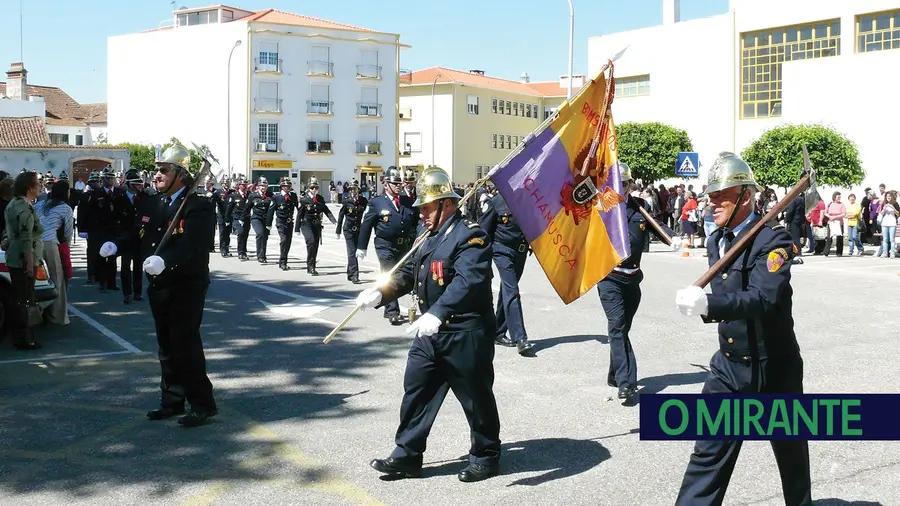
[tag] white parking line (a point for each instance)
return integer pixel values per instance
(64, 357)
(105, 331)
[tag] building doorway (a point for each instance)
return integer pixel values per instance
(81, 169)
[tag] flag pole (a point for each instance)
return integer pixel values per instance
(383, 279)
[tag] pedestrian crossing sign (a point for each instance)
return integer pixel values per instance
(688, 164)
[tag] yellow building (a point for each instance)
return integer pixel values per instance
(466, 121)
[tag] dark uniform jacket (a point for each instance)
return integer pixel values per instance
(129, 220)
(237, 207)
(638, 230)
(310, 210)
(102, 217)
(220, 200)
(751, 298)
(261, 207)
(451, 277)
(393, 227)
(284, 208)
(795, 213)
(498, 222)
(352, 211)
(186, 254)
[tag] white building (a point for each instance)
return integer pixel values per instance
(303, 96)
(67, 122)
(727, 79)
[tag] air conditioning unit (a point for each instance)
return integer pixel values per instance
(372, 149)
(312, 146)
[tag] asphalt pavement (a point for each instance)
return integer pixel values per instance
(300, 420)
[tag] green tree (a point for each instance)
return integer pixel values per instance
(142, 157)
(651, 149)
(777, 157)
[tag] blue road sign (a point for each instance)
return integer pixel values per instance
(688, 164)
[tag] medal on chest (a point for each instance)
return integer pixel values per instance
(437, 271)
(505, 220)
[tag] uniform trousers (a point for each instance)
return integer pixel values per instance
(262, 238)
(285, 237)
(104, 268)
(797, 230)
(351, 239)
(620, 296)
(242, 229)
(458, 361)
(387, 258)
(510, 264)
(312, 233)
(132, 272)
(177, 314)
(225, 228)
(712, 463)
(212, 238)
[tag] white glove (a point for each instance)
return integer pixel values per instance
(676, 243)
(360, 254)
(83, 235)
(154, 265)
(108, 249)
(370, 297)
(691, 301)
(425, 326)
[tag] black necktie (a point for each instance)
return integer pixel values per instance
(168, 200)
(729, 239)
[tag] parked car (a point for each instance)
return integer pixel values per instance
(45, 290)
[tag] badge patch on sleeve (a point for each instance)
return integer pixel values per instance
(145, 219)
(477, 240)
(776, 260)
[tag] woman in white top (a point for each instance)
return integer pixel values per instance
(58, 221)
(887, 218)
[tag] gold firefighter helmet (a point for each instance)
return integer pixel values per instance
(728, 171)
(354, 185)
(313, 182)
(393, 175)
(94, 176)
(285, 181)
(434, 184)
(63, 176)
(176, 155)
(409, 175)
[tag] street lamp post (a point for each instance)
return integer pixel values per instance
(228, 106)
(571, 44)
(433, 148)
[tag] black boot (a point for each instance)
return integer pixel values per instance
(399, 468)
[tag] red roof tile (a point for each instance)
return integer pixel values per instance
(19, 132)
(61, 108)
(538, 89)
(278, 17)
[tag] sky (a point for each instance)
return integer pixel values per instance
(65, 41)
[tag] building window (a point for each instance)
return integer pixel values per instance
(635, 86)
(59, 138)
(508, 108)
(472, 104)
(509, 144)
(482, 171)
(320, 64)
(267, 61)
(878, 31)
(494, 141)
(515, 108)
(515, 141)
(268, 137)
(764, 52)
(413, 141)
(319, 140)
(494, 105)
(368, 68)
(501, 106)
(527, 110)
(549, 111)
(502, 143)
(79, 140)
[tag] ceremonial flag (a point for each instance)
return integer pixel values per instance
(565, 191)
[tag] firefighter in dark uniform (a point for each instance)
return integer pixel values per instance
(260, 203)
(178, 281)
(620, 293)
(349, 221)
(394, 220)
(795, 219)
(510, 250)
(285, 207)
(103, 204)
(130, 246)
(210, 194)
(758, 350)
(85, 225)
(223, 219)
(409, 183)
(238, 209)
(309, 222)
(453, 348)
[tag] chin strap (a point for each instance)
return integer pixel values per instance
(735, 210)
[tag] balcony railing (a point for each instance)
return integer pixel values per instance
(368, 109)
(267, 105)
(319, 68)
(368, 72)
(319, 107)
(267, 65)
(368, 147)
(266, 146)
(323, 147)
